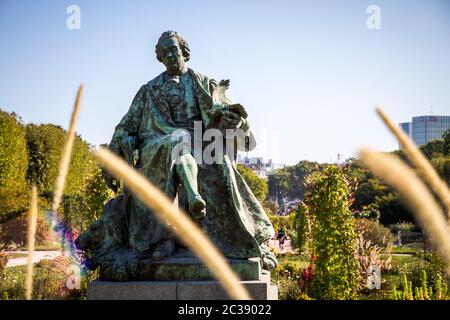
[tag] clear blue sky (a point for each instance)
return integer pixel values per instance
(308, 72)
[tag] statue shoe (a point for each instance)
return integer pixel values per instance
(164, 249)
(197, 207)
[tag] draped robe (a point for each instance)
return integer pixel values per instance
(235, 221)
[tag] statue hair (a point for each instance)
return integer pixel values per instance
(183, 45)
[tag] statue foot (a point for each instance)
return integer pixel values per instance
(197, 207)
(269, 263)
(269, 260)
(164, 249)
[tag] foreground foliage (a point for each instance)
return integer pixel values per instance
(334, 240)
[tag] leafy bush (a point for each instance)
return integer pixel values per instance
(45, 149)
(13, 166)
(85, 191)
(302, 227)
(334, 238)
(47, 284)
(369, 212)
(288, 277)
(13, 202)
(14, 231)
(442, 166)
(393, 209)
(374, 232)
(290, 180)
(404, 227)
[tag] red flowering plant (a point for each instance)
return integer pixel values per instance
(307, 275)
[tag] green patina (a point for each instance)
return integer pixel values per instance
(128, 241)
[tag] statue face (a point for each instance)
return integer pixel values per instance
(172, 56)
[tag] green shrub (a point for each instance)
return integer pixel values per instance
(374, 231)
(13, 166)
(393, 209)
(336, 274)
(288, 276)
(302, 227)
(285, 270)
(85, 191)
(47, 284)
(45, 143)
(404, 227)
(14, 231)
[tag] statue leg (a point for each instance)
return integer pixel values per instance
(187, 171)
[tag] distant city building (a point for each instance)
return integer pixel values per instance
(424, 129)
(407, 128)
(259, 166)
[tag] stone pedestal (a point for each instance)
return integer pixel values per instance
(177, 290)
(184, 277)
(188, 267)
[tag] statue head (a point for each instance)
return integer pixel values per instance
(173, 51)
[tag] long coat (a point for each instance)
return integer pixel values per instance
(235, 221)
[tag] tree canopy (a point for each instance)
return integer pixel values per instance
(13, 166)
(256, 184)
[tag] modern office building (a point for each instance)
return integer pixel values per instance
(424, 129)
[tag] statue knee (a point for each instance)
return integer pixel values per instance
(186, 161)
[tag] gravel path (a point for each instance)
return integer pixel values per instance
(37, 256)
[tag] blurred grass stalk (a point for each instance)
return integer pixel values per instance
(419, 160)
(404, 180)
(31, 233)
(182, 225)
(67, 152)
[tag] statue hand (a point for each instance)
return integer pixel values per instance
(225, 83)
(230, 120)
(238, 109)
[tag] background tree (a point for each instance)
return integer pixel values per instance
(256, 184)
(433, 148)
(446, 147)
(441, 164)
(44, 144)
(290, 181)
(13, 166)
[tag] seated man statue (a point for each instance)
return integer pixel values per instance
(154, 136)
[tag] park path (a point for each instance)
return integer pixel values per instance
(287, 248)
(37, 256)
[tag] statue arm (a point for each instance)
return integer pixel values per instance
(125, 135)
(128, 127)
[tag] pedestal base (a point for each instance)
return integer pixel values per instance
(177, 290)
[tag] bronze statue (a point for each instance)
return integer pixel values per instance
(166, 112)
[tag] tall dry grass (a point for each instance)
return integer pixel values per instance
(66, 154)
(31, 235)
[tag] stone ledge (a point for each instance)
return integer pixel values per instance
(185, 267)
(176, 290)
